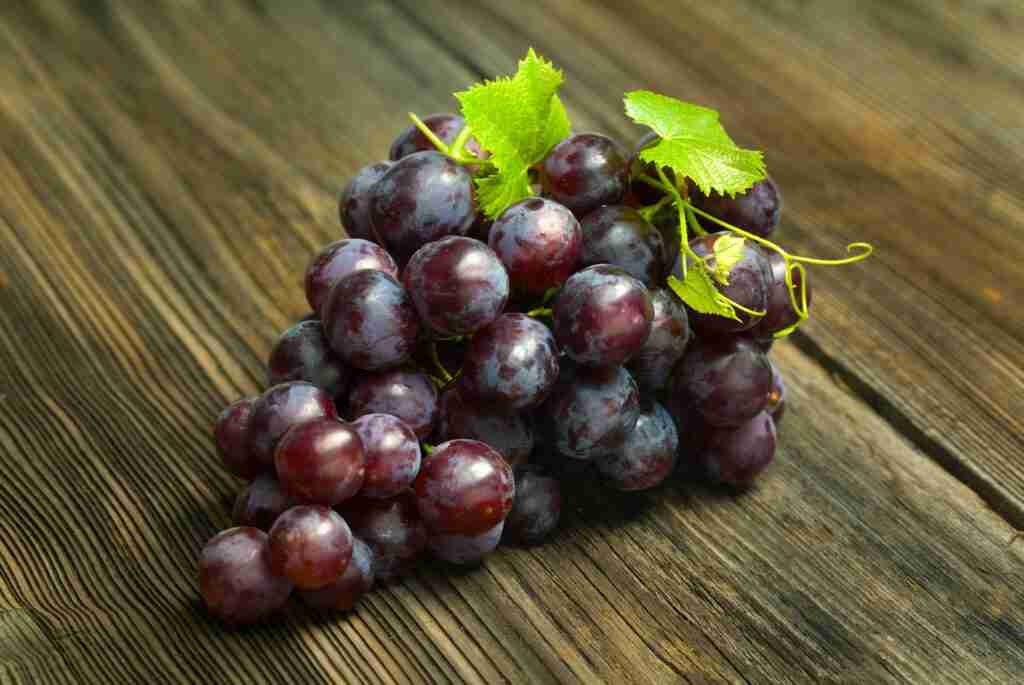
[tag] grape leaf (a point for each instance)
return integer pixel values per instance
(517, 119)
(728, 252)
(700, 294)
(694, 144)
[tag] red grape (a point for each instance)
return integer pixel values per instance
(321, 462)
(618, 235)
(235, 577)
(591, 410)
(310, 545)
(231, 436)
(648, 454)
(537, 506)
(302, 354)
(727, 381)
(510, 434)
(585, 171)
(757, 210)
(652, 366)
(393, 530)
(343, 593)
(370, 321)
(392, 454)
(539, 242)
(339, 259)
(457, 284)
(260, 503)
(464, 487)
(354, 204)
(406, 393)
(737, 455)
(465, 549)
(280, 408)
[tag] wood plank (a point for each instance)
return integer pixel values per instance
(156, 219)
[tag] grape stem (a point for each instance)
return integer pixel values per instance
(539, 312)
(427, 448)
(688, 215)
(436, 358)
(455, 150)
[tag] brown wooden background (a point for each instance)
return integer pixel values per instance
(167, 169)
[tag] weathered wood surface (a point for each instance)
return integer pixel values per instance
(168, 168)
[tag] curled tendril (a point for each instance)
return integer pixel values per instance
(688, 217)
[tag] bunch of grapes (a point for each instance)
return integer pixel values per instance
(457, 367)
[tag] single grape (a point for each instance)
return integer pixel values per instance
(652, 366)
(370, 321)
(537, 506)
(260, 503)
(737, 455)
(422, 198)
(602, 316)
(321, 462)
(693, 432)
(354, 204)
(465, 549)
(235, 577)
(585, 171)
(457, 284)
(590, 410)
(310, 545)
(445, 126)
(406, 393)
(648, 454)
(393, 530)
(510, 434)
(756, 211)
(748, 285)
(618, 235)
(780, 313)
(776, 406)
(392, 454)
(343, 593)
(338, 260)
(302, 354)
(511, 364)
(280, 408)
(231, 436)
(726, 380)
(645, 193)
(539, 242)
(464, 487)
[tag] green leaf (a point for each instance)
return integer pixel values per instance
(700, 294)
(728, 251)
(694, 144)
(518, 120)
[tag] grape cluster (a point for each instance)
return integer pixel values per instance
(445, 352)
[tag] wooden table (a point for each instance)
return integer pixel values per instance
(169, 167)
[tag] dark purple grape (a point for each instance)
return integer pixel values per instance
(510, 364)
(510, 434)
(726, 380)
(618, 235)
(235, 577)
(339, 259)
(585, 171)
(422, 198)
(321, 462)
(666, 221)
(231, 436)
(648, 454)
(393, 530)
(370, 321)
(590, 410)
(465, 487)
(776, 397)
(756, 211)
(465, 549)
(302, 354)
(748, 286)
(260, 503)
(737, 455)
(602, 316)
(537, 506)
(457, 284)
(310, 545)
(356, 581)
(280, 408)
(645, 194)
(445, 126)
(780, 313)
(406, 393)
(539, 242)
(670, 333)
(392, 454)
(354, 205)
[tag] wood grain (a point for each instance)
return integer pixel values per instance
(170, 167)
